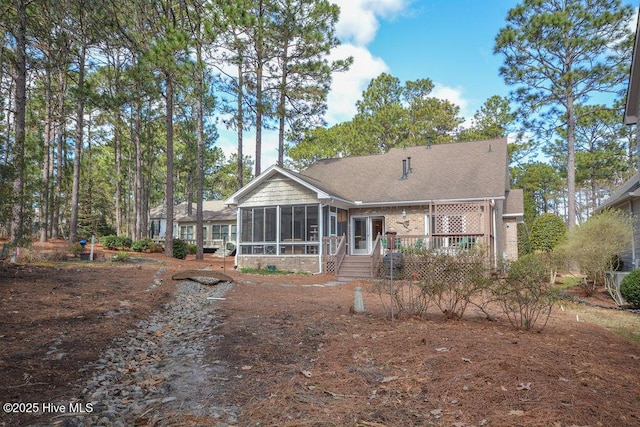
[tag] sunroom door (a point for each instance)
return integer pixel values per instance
(360, 235)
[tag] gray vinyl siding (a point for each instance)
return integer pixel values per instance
(279, 191)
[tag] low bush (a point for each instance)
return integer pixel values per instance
(116, 242)
(141, 245)
(121, 256)
(630, 288)
(402, 297)
(524, 296)
(155, 248)
(180, 249)
(455, 280)
(77, 249)
(192, 249)
(595, 244)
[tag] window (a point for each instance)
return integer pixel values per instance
(279, 230)
(186, 232)
(259, 224)
(219, 232)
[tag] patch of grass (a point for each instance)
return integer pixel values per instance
(567, 281)
(618, 322)
(265, 271)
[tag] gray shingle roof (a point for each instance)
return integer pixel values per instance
(457, 171)
(211, 210)
(514, 203)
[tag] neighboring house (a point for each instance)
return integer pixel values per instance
(218, 225)
(335, 215)
(627, 196)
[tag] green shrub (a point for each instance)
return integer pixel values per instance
(141, 245)
(595, 244)
(524, 245)
(77, 249)
(524, 296)
(109, 242)
(630, 288)
(192, 249)
(116, 242)
(121, 256)
(124, 242)
(547, 231)
(180, 249)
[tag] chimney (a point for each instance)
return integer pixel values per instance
(404, 170)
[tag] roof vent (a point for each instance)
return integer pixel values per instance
(409, 170)
(404, 170)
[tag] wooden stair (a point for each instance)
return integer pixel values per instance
(354, 266)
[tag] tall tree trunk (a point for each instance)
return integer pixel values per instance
(200, 159)
(46, 161)
(59, 175)
(77, 153)
(17, 225)
(168, 248)
(571, 164)
(240, 123)
(118, 164)
(282, 107)
(259, 93)
(9, 125)
(138, 193)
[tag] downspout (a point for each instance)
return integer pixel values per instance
(633, 240)
(238, 238)
(495, 234)
(320, 234)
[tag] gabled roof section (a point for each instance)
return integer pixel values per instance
(623, 193)
(211, 210)
(633, 90)
(306, 182)
(514, 204)
(457, 171)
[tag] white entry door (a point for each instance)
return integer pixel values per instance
(360, 235)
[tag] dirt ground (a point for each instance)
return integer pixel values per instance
(302, 357)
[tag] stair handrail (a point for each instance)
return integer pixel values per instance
(375, 255)
(341, 252)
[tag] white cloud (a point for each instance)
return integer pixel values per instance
(453, 94)
(357, 27)
(347, 87)
(358, 22)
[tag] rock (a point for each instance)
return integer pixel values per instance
(151, 365)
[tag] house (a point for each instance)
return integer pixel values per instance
(334, 216)
(627, 196)
(218, 225)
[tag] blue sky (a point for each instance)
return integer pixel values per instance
(451, 42)
(448, 41)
